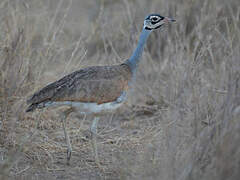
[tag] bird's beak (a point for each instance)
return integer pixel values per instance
(167, 20)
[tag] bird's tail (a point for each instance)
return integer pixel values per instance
(32, 107)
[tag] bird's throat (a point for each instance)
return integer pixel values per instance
(136, 56)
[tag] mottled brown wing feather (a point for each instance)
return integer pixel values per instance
(98, 84)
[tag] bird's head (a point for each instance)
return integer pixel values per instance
(155, 21)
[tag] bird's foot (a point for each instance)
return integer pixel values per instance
(69, 153)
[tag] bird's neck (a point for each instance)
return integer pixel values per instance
(136, 56)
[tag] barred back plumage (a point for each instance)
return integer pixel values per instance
(100, 84)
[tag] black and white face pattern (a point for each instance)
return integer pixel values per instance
(154, 21)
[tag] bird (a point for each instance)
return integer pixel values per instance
(95, 89)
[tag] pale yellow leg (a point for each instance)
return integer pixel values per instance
(93, 130)
(65, 114)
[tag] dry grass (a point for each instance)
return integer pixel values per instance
(182, 120)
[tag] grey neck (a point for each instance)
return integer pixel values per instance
(136, 56)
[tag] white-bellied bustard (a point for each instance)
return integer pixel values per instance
(96, 89)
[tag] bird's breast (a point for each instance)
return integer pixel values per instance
(88, 108)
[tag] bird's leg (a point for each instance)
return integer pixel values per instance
(64, 116)
(93, 130)
(94, 125)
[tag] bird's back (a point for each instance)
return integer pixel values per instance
(98, 84)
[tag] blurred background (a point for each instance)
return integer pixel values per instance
(182, 120)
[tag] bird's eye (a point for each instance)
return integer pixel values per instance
(154, 19)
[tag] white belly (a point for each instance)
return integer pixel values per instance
(87, 107)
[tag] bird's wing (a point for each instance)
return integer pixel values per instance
(98, 84)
